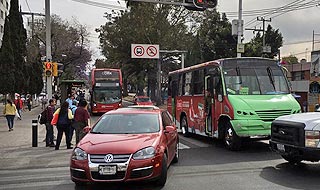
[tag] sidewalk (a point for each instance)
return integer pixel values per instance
(16, 149)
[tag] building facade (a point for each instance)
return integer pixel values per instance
(305, 81)
(4, 11)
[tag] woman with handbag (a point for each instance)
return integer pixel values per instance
(10, 112)
(62, 119)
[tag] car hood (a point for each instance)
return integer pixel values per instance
(310, 119)
(117, 143)
(264, 102)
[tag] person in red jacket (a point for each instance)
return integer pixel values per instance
(19, 105)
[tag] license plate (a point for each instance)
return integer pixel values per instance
(281, 147)
(107, 170)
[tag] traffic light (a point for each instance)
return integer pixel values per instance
(55, 69)
(47, 69)
(205, 4)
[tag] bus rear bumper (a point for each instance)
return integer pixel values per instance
(252, 128)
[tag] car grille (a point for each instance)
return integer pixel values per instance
(118, 175)
(270, 115)
(117, 158)
(288, 132)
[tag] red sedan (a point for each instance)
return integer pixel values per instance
(127, 144)
(142, 100)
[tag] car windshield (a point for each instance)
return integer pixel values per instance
(127, 124)
(253, 81)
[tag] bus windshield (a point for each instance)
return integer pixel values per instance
(255, 81)
(107, 95)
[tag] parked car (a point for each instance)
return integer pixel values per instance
(127, 144)
(142, 100)
(296, 137)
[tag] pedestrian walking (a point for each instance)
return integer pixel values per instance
(82, 119)
(10, 112)
(29, 103)
(48, 113)
(19, 106)
(62, 119)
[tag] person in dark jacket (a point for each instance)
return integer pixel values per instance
(49, 128)
(63, 124)
(82, 119)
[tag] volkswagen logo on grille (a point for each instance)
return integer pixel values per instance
(108, 158)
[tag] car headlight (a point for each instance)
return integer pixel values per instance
(145, 153)
(94, 104)
(79, 154)
(312, 138)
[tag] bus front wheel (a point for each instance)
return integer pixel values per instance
(184, 127)
(231, 140)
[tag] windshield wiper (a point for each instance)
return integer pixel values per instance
(239, 74)
(270, 75)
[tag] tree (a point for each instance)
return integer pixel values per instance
(214, 37)
(75, 55)
(144, 23)
(18, 38)
(291, 59)
(273, 38)
(7, 67)
(13, 52)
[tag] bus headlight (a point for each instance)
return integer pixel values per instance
(312, 138)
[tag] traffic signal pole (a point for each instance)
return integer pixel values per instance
(48, 46)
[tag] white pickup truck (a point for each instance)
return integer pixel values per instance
(296, 137)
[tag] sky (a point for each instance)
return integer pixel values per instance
(296, 26)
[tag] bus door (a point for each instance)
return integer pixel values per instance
(209, 103)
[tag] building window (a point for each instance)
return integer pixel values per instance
(298, 75)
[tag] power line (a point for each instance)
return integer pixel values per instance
(28, 6)
(100, 5)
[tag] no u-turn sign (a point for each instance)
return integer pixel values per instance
(145, 51)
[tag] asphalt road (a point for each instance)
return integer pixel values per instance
(204, 165)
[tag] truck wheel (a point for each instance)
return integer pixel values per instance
(184, 127)
(292, 159)
(231, 140)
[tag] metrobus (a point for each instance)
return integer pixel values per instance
(230, 99)
(106, 90)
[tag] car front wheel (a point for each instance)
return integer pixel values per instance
(161, 181)
(176, 155)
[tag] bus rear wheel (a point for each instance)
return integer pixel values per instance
(231, 140)
(184, 127)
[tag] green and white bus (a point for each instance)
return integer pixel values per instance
(230, 99)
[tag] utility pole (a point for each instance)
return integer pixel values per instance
(263, 33)
(240, 28)
(48, 46)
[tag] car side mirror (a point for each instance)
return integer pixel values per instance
(87, 129)
(169, 129)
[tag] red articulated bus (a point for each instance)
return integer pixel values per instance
(106, 90)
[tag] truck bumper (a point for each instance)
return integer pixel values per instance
(309, 154)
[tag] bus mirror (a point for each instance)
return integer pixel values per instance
(219, 97)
